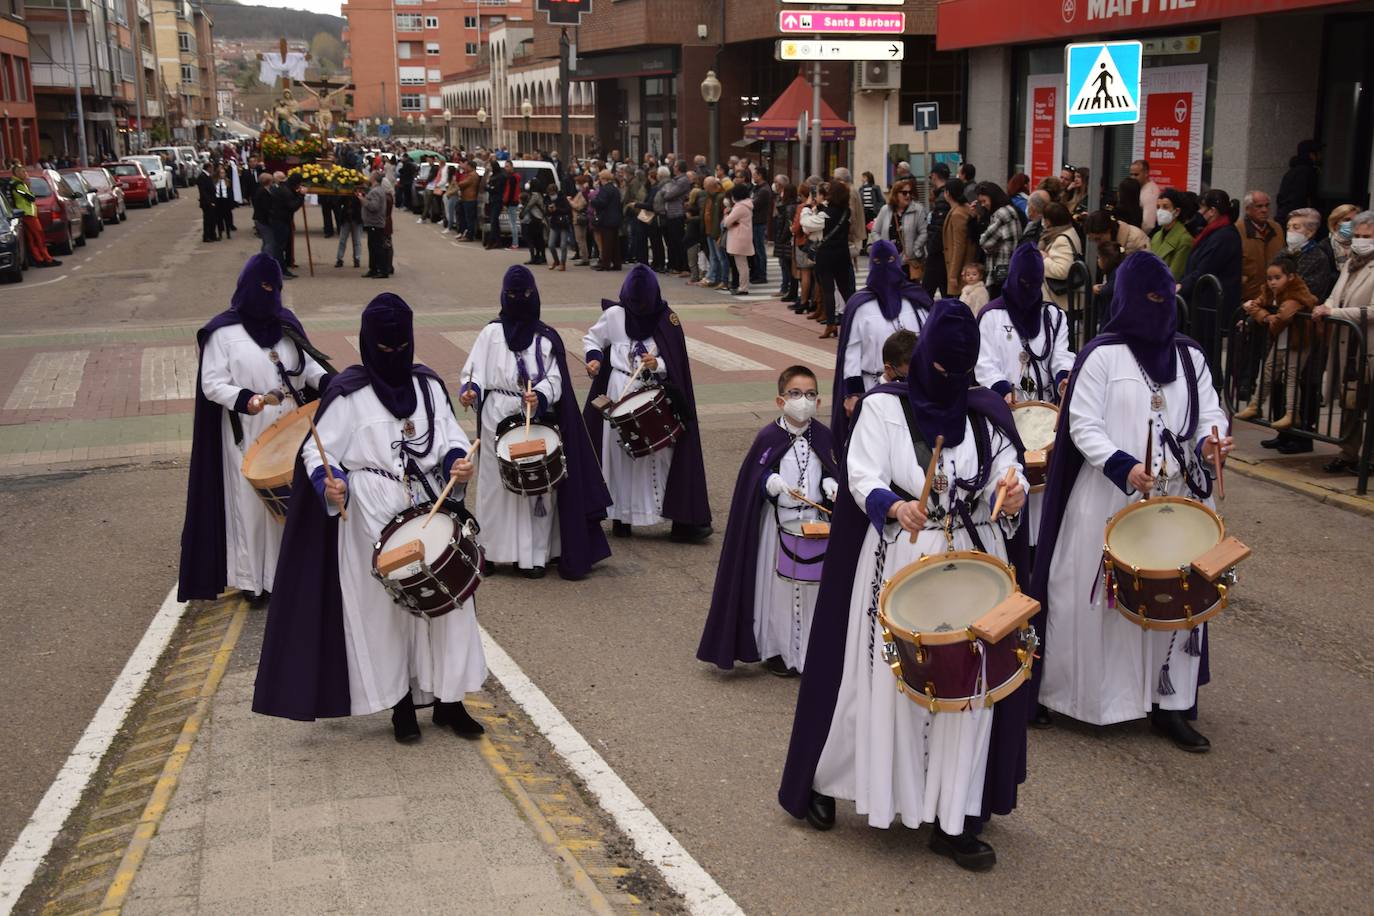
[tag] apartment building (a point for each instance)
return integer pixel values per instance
(18, 114)
(186, 67)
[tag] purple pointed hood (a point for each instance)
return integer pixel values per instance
(257, 299)
(939, 397)
(642, 301)
(1145, 314)
(1021, 293)
(519, 308)
(886, 278)
(388, 322)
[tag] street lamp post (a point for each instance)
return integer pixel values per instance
(527, 109)
(710, 94)
(410, 125)
(424, 130)
(482, 125)
(448, 124)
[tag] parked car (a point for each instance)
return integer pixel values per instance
(530, 171)
(112, 208)
(13, 254)
(134, 181)
(181, 168)
(89, 200)
(160, 173)
(58, 210)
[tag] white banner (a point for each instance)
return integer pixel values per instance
(1044, 139)
(272, 66)
(1173, 110)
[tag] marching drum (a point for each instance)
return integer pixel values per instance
(430, 570)
(270, 462)
(956, 630)
(532, 464)
(645, 420)
(1035, 422)
(1169, 563)
(801, 549)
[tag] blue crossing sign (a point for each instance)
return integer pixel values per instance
(925, 116)
(1103, 83)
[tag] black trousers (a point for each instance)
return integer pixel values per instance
(674, 233)
(836, 272)
(224, 219)
(208, 219)
(376, 249)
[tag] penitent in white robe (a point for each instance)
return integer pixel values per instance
(231, 363)
(891, 756)
(637, 485)
(1100, 667)
(783, 607)
(512, 532)
(863, 352)
(1000, 351)
(391, 651)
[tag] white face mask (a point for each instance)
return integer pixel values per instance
(1295, 240)
(800, 411)
(1362, 246)
(1164, 217)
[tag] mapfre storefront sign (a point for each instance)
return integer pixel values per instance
(978, 23)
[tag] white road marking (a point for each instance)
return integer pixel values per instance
(653, 840)
(463, 340)
(167, 374)
(45, 282)
(816, 357)
(78, 267)
(720, 358)
(50, 380)
(26, 855)
(353, 342)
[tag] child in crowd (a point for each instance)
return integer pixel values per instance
(974, 292)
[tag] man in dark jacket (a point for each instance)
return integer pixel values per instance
(287, 198)
(1216, 251)
(405, 181)
(606, 220)
(1298, 189)
(762, 196)
(206, 186)
(496, 193)
(934, 278)
(262, 212)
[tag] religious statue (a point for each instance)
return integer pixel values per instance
(324, 120)
(289, 125)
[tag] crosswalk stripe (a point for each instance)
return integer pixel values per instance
(353, 342)
(167, 374)
(720, 358)
(463, 340)
(816, 357)
(50, 380)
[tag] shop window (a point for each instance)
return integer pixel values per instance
(931, 76)
(1346, 111)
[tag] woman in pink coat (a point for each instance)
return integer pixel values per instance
(739, 234)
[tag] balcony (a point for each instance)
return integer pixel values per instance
(152, 107)
(78, 6)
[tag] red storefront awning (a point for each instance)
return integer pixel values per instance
(979, 23)
(779, 122)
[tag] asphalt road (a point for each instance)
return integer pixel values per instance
(1275, 819)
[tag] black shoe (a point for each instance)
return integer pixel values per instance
(356, 264)
(370, 273)
(1172, 724)
(488, 569)
(536, 572)
(259, 599)
(1041, 719)
(457, 718)
(288, 275)
(778, 667)
(1295, 446)
(689, 534)
(1340, 466)
(1272, 443)
(966, 849)
(620, 529)
(338, 263)
(820, 812)
(790, 297)
(404, 725)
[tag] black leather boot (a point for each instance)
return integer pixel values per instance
(1172, 724)
(966, 849)
(404, 725)
(457, 718)
(1041, 719)
(689, 534)
(820, 813)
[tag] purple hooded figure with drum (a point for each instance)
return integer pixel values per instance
(348, 634)
(944, 744)
(257, 369)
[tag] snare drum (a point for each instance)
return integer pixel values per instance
(956, 630)
(536, 473)
(801, 549)
(270, 462)
(1169, 563)
(1036, 422)
(646, 422)
(445, 575)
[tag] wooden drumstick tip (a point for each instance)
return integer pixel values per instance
(1007, 480)
(1217, 463)
(797, 494)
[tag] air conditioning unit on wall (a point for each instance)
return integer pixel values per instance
(880, 75)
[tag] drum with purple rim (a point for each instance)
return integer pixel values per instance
(646, 421)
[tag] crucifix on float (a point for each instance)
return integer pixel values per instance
(285, 64)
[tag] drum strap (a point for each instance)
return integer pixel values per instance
(236, 426)
(305, 347)
(918, 441)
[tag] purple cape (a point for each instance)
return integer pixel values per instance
(845, 387)
(203, 572)
(303, 669)
(820, 684)
(685, 500)
(729, 633)
(1059, 484)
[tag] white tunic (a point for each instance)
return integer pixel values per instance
(511, 531)
(390, 650)
(233, 361)
(1100, 667)
(999, 360)
(637, 485)
(891, 756)
(783, 607)
(863, 352)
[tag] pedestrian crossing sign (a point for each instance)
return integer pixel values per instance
(1103, 83)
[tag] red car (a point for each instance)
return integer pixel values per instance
(138, 187)
(58, 210)
(110, 193)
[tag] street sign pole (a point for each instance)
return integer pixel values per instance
(816, 118)
(564, 138)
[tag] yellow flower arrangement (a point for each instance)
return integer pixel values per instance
(329, 176)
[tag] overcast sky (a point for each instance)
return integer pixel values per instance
(315, 6)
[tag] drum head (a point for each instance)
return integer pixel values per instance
(635, 401)
(537, 431)
(1162, 534)
(1035, 421)
(436, 539)
(945, 596)
(271, 460)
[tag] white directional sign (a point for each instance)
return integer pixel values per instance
(1103, 83)
(791, 49)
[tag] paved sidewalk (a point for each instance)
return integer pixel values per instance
(1299, 473)
(275, 817)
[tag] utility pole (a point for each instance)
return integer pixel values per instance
(816, 168)
(76, 82)
(564, 72)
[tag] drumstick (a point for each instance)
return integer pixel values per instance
(447, 489)
(1007, 482)
(1216, 463)
(529, 411)
(324, 459)
(1149, 453)
(796, 494)
(930, 476)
